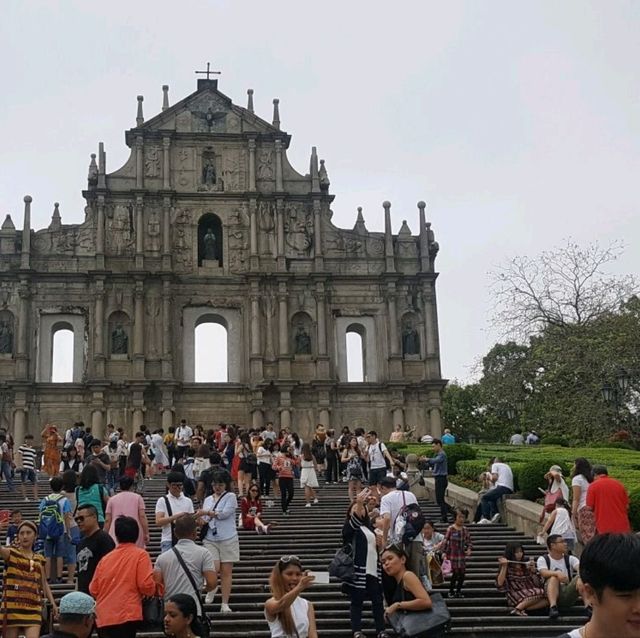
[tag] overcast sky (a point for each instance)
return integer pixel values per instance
(517, 122)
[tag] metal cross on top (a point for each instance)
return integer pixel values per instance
(208, 72)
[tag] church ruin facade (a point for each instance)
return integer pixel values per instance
(207, 222)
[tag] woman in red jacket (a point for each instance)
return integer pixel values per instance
(251, 506)
(284, 466)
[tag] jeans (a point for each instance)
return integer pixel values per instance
(5, 470)
(490, 499)
(373, 592)
(442, 482)
(286, 492)
(264, 471)
(331, 473)
(165, 546)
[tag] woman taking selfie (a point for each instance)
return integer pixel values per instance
(288, 614)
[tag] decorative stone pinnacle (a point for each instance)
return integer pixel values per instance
(28, 199)
(386, 204)
(421, 205)
(276, 112)
(55, 218)
(140, 116)
(250, 100)
(165, 97)
(8, 223)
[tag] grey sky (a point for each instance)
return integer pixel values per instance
(517, 122)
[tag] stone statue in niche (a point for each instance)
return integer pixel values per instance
(265, 164)
(152, 162)
(410, 340)
(299, 231)
(209, 178)
(210, 251)
(6, 338)
(209, 174)
(302, 341)
(119, 340)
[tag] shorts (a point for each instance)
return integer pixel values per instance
(69, 551)
(54, 547)
(246, 467)
(28, 475)
(376, 475)
(568, 595)
(224, 551)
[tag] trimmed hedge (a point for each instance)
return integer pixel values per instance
(456, 452)
(634, 508)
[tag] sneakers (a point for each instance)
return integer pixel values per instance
(225, 609)
(496, 517)
(484, 521)
(553, 612)
(308, 505)
(315, 501)
(208, 599)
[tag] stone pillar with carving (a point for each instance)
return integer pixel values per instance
(138, 330)
(167, 418)
(398, 416)
(167, 356)
(256, 327)
(395, 358)
(166, 233)
(97, 422)
(431, 328)
(98, 331)
(139, 146)
(424, 241)
(283, 331)
(435, 422)
(139, 232)
(322, 366)
(22, 349)
(100, 234)
(318, 263)
(281, 263)
(25, 257)
(252, 164)
(253, 234)
(166, 163)
(279, 180)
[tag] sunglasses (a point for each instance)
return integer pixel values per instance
(79, 519)
(289, 559)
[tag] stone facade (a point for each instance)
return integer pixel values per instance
(208, 221)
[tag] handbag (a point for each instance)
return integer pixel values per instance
(421, 624)
(341, 566)
(153, 611)
(205, 624)
(434, 569)
(447, 570)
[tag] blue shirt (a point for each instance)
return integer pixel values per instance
(439, 464)
(448, 439)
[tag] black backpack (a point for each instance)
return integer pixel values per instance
(414, 521)
(567, 562)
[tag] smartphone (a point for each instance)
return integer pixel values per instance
(321, 578)
(4, 516)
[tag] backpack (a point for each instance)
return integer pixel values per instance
(50, 519)
(318, 450)
(409, 522)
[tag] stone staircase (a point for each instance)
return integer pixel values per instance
(313, 534)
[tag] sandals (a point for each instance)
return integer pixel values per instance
(518, 612)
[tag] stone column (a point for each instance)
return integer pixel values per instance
(166, 166)
(139, 162)
(321, 319)
(280, 230)
(317, 236)
(98, 327)
(424, 242)
(97, 424)
(323, 417)
(138, 419)
(279, 180)
(167, 418)
(388, 239)
(285, 418)
(430, 321)
(139, 232)
(435, 422)
(252, 164)
(283, 321)
(166, 233)
(253, 234)
(398, 417)
(167, 355)
(26, 234)
(19, 426)
(393, 319)
(100, 234)
(22, 349)
(255, 321)
(257, 418)
(138, 330)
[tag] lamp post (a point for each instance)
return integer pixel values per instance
(614, 394)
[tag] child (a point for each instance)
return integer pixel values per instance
(12, 530)
(457, 548)
(559, 522)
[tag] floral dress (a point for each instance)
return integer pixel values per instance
(522, 585)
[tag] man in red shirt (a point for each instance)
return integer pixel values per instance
(609, 501)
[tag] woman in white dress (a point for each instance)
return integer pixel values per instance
(287, 613)
(308, 476)
(160, 456)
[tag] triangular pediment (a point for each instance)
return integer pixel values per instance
(207, 110)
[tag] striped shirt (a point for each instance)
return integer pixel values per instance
(23, 594)
(28, 455)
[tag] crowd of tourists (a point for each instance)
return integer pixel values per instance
(93, 523)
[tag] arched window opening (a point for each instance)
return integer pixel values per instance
(62, 355)
(209, 240)
(211, 351)
(356, 355)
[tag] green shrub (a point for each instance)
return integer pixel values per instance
(619, 445)
(396, 446)
(556, 440)
(458, 452)
(470, 470)
(634, 508)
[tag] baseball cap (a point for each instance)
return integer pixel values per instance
(77, 603)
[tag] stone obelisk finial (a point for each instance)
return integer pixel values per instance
(165, 97)
(276, 112)
(388, 238)
(140, 116)
(315, 177)
(56, 220)
(26, 234)
(250, 100)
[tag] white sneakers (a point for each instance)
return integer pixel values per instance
(485, 521)
(315, 501)
(208, 599)
(496, 517)
(225, 609)
(308, 505)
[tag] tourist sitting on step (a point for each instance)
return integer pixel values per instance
(560, 573)
(251, 507)
(502, 479)
(610, 575)
(221, 535)
(410, 594)
(520, 581)
(286, 612)
(358, 531)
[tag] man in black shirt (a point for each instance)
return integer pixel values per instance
(94, 545)
(99, 459)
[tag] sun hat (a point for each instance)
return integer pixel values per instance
(77, 603)
(555, 468)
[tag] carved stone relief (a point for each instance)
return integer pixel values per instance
(183, 240)
(267, 226)
(238, 247)
(298, 227)
(209, 113)
(233, 173)
(153, 326)
(152, 162)
(120, 232)
(233, 123)
(210, 177)
(153, 232)
(265, 164)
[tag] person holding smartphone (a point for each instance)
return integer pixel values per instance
(286, 612)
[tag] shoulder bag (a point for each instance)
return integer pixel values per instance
(153, 611)
(341, 566)
(205, 528)
(205, 624)
(421, 624)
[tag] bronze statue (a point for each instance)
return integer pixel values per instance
(6, 338)
(410, 340)
(119, 340)
(209, 245)
(209, 174)
(302, 341)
